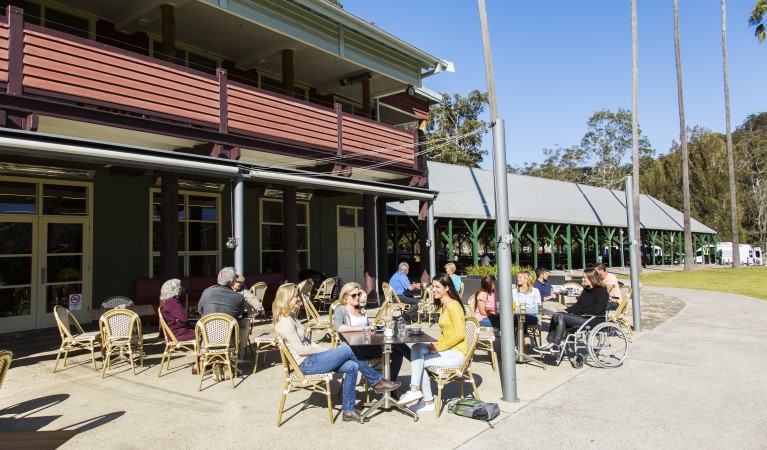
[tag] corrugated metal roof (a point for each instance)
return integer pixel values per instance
(467, 193)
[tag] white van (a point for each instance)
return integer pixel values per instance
(724, 253)
(758, 256)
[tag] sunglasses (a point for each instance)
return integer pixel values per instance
(357, 295)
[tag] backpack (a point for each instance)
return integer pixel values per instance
(476, 409)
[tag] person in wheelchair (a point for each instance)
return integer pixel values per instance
(592, 302)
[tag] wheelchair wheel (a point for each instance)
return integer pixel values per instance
(578, 361)
(608, 345)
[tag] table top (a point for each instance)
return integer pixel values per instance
(356, 338)
(141, 310)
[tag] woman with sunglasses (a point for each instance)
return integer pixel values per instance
(313, 359)
(350, 317)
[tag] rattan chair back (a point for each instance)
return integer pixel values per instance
(5, 364)
(121, 331)
(217, 338)
(116, 302)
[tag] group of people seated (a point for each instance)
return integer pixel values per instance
(231, 297)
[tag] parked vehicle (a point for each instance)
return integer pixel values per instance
(758, 256)
(724, 253)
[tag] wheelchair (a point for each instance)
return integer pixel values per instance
(604, 342)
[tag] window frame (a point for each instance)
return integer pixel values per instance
(261, 224)
(186, 253)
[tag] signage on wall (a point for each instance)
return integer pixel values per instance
(75, 302)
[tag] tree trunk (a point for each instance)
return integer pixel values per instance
(635, 129)
(730, 163)
(688, 254)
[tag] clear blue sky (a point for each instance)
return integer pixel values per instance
(559, 61)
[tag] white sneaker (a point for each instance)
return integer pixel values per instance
(409, 397)
(422, 406)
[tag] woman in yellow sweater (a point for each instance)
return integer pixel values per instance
(449, 350)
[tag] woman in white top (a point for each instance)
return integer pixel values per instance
(313, 359)
(349, 317)
(527, 294)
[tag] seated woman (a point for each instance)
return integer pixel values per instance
(450, 349)
(485, 308)
(173, 312)
(530, 296)
(592, 302)
(450, 269)
(313, 359)
(349, 317)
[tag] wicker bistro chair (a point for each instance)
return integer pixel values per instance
(295, 380)
(304, 293)
(427, 308)
(121, 331)
(445, 375)
(116, 302)
(5, 364)
(172, 344)
(620, 317)
(217, 336)
(486, 340)
(316, 321)
(74, 341)
(393, 298)
(324, 293)
(265, 342)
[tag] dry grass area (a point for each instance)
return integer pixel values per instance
(748, 281)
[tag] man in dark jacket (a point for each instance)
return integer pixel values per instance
(224, 299)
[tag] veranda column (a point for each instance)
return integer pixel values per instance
(169, 226)
(369, 239)
(289, 238)
(288, 72)
(383, 246)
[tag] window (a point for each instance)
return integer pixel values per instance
(350, 216)
(271, 235)
(52, 18)
(188, 58)
(44, 198)
(199, 233)
(273, 84)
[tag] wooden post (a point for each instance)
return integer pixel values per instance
(169, 32)
(169, 227)
(289, 241)
(288, 73)
(366, 104)
(369, 254)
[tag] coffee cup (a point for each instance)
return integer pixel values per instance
(415, 330)
(379, 328)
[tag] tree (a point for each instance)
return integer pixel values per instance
(688, 255)
(751, 151)
(607, 145)
(730, 157)
(454, 129)
(563, 164)
(758, 20)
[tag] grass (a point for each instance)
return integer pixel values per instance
(748, 281)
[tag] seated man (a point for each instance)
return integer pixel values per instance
(223, 299)
(405, 290)
(612, 286)
(548, 297)
(252, 303)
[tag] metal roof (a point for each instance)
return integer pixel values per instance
(468, 193)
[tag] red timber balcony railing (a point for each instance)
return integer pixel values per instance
(36, 62)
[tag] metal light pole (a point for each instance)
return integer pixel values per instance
(503, 253)
(633, 259)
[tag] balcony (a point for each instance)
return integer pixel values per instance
(50, 73)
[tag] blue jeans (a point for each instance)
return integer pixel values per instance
(485, 322)
(421, 359)
(341, 360)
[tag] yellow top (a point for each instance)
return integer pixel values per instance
(452, 321)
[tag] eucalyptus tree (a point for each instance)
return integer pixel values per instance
(688, 255)
(730, 158)
(454, 129)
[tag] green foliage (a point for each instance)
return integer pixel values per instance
(757, 19)
(454, 127)
(603, 157)
(493, 269)
(336, 2)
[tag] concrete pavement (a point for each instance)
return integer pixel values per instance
(691, 379)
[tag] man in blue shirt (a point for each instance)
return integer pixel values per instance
(548, 298)
(405, 290)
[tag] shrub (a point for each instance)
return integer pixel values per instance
(493, 269)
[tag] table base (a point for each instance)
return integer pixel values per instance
(386, 402)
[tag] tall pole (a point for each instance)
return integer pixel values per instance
(503, 288)
(239, 224)
(736, 264)
(635, 120)
(633, 260)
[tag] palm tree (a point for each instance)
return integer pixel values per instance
(688, 255)
(758, 20)
(635, 126)
(730, 158)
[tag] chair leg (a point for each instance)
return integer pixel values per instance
(130, 357)
(162, 360)
(473, 385)
(107, 361)
(493, 357)
(66, 353)
(460, 387)
(201, 372)
(439, 398)
(285, 391)
(57, 358)
(93, 356)
(330, 401)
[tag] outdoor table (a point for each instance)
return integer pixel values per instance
(523, 357)
(356, 338)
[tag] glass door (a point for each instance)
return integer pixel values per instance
(64, 270)
(17, 266)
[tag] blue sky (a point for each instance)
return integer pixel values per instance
(559, 61)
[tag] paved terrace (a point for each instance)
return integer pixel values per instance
(695, 377)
